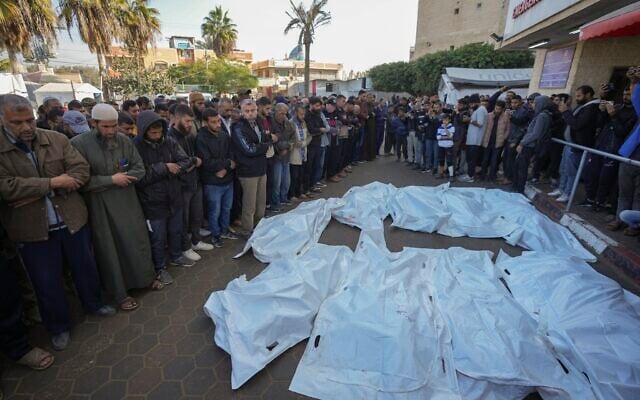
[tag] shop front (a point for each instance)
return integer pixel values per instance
(577, 42)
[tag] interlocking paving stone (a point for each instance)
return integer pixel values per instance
(166, 391)
(143, 344)
(178, 368)
(128, 333)
(156, 324)
(159, 355)
(144, 381)
(91, 380)
(198, 381)
(190, 344)
(126, 368)
(111, 354)
(110, 391)
(172, 334)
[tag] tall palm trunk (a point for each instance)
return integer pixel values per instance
(102, 72)
(307, 48)
(16, 66)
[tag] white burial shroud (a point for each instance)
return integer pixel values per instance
(422, 323)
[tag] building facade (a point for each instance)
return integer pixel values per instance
(577, 42)
(449, 24)
(277, 76)
(181, 50)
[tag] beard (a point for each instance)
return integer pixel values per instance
(109, 142)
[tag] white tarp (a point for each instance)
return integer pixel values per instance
(589, 318)
(365, 206)
(290, 234)
(258, 320)
(426, 323)
(411, 325)
(12, 84)
(482, 213)
(377, 338)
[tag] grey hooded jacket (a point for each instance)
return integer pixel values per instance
(540, 124)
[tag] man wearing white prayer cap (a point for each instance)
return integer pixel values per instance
(121, 242)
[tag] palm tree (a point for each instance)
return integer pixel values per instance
(20, 22)
(219, 32)
(307, 21)
(86, 15)
(139, 24)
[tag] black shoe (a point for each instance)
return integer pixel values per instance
(216, 241)
(587, 203)
(229, 236)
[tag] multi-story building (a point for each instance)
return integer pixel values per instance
(181, 50)
(577, 42)
(278, 75)
(448, 24)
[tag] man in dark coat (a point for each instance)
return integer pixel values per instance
(213, 147)
(192, 213)
(249, 146)
(160, 191)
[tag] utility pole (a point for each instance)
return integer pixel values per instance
(73, 90)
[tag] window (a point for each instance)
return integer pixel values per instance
(456, 11)
(452, 47)
(478, 5)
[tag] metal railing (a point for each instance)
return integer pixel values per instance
(583, 160)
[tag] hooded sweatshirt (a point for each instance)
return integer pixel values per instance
(540, 124)
(160, 191)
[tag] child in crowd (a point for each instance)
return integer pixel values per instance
(445, 145)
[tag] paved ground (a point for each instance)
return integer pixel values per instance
(164, 349)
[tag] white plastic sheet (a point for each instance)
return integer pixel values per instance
(493, 338)
(292, 233)
(482, 213)
(588, 317)
(365, 206)
(426, 323)
(258, 320)
(377, 338)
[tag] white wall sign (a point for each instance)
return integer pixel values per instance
(523, 14)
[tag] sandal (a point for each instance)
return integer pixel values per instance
(37, 359)
(157, 285)
(128, 304)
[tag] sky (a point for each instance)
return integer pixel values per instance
(362, 34)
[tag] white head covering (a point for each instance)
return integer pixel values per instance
(104, 112)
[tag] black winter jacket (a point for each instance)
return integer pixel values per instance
(248, 149)
(188, 144)
(160, 192)
(314, 124)
(215, 152)
(583, 125)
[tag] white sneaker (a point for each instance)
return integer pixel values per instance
(555, 193)
(202, 246)
(464, 178)
(562, 199)
(204, 232)
(191, 255)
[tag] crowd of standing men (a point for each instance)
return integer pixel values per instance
(115, 194)
(485, 135)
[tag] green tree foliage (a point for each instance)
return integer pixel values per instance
(5, 65)
(219, 76)
(423, 75)
(219, 32)
(129, 79)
